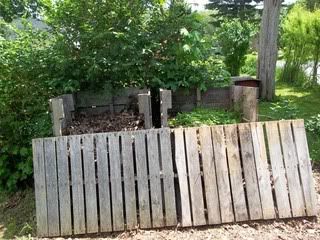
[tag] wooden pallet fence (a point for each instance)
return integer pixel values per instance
(161, 177)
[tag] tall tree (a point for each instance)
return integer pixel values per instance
(268, 49)
(241, 9)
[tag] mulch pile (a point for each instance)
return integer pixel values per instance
(105, 123)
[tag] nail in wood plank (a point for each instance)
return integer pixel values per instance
(236, 180)
(209, 176)
(40, 187)
(196, 192)
(278, 171)
(180, 158)
(64, 186)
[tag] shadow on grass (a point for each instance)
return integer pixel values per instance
(17, 214)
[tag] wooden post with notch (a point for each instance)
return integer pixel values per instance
(165, 104)
(144, 102)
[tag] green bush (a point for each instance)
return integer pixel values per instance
(250, 65)
(313, 124)
(234, 40)
(24, 95)
(204, 116)
(284, 109)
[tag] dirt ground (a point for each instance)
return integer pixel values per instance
(303, 228)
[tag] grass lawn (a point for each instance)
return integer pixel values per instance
(303, 103)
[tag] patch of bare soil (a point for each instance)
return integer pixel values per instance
(125, 121)
(298, 229)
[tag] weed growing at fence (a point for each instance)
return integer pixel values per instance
(204, 116)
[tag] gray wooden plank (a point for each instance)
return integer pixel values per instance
(142, 180)
(250, 172)
(278, 171)
(168, 177)
(305, 167)
(64, 186)
(196, 192)
(129, 181)
(103, 183)
(236, 180)
(116, 182)
(209, 176)
(219, 148)
(154, 175)
(90, 184)
(40, 187)
(180, 158)
(79, 226)
(52, 187)
(291, 166)
(263, 173)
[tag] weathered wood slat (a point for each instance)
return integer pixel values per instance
(250, 172)
(209, 176)
(90, 184)
(291, 166)
(263, 173)
(116, 182)
(64, 186)
(129, 182)
(180, 158)
(168, 175)
(305, 167)
(77, 185)
(40, 187)
(103, 183)
(142, 180)
(154, 175)
(52, 187)
(238, 195)
(278, 172)
(196, 192)
(219, 148)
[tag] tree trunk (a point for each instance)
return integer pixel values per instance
(268, 49)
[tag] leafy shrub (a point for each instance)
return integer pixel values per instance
(250, 65)
(313, 124)
(24, 95)
(234, 40)
(204, 116)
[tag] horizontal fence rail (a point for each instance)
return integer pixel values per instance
(161, 177)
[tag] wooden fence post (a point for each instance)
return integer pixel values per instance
(245, 101)
(62, 108)
(144, 101)
(165, 104)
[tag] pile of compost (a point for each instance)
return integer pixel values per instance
(105, 122)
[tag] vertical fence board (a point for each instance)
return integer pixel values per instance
(64, 186)
(209, 175)
(305, 167)
(250, 172)
(77, 185)
(278, 172)
(52, 186)
(103, 183)
(224, 190)
(116, 182)
(263, 173)
(196, 192)
(142, 178)
(239, 201)
(90, 184)
(154, 175)
(291, 166)
(180, 158)
(40, 187)
(168, 175)
(129, 182)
